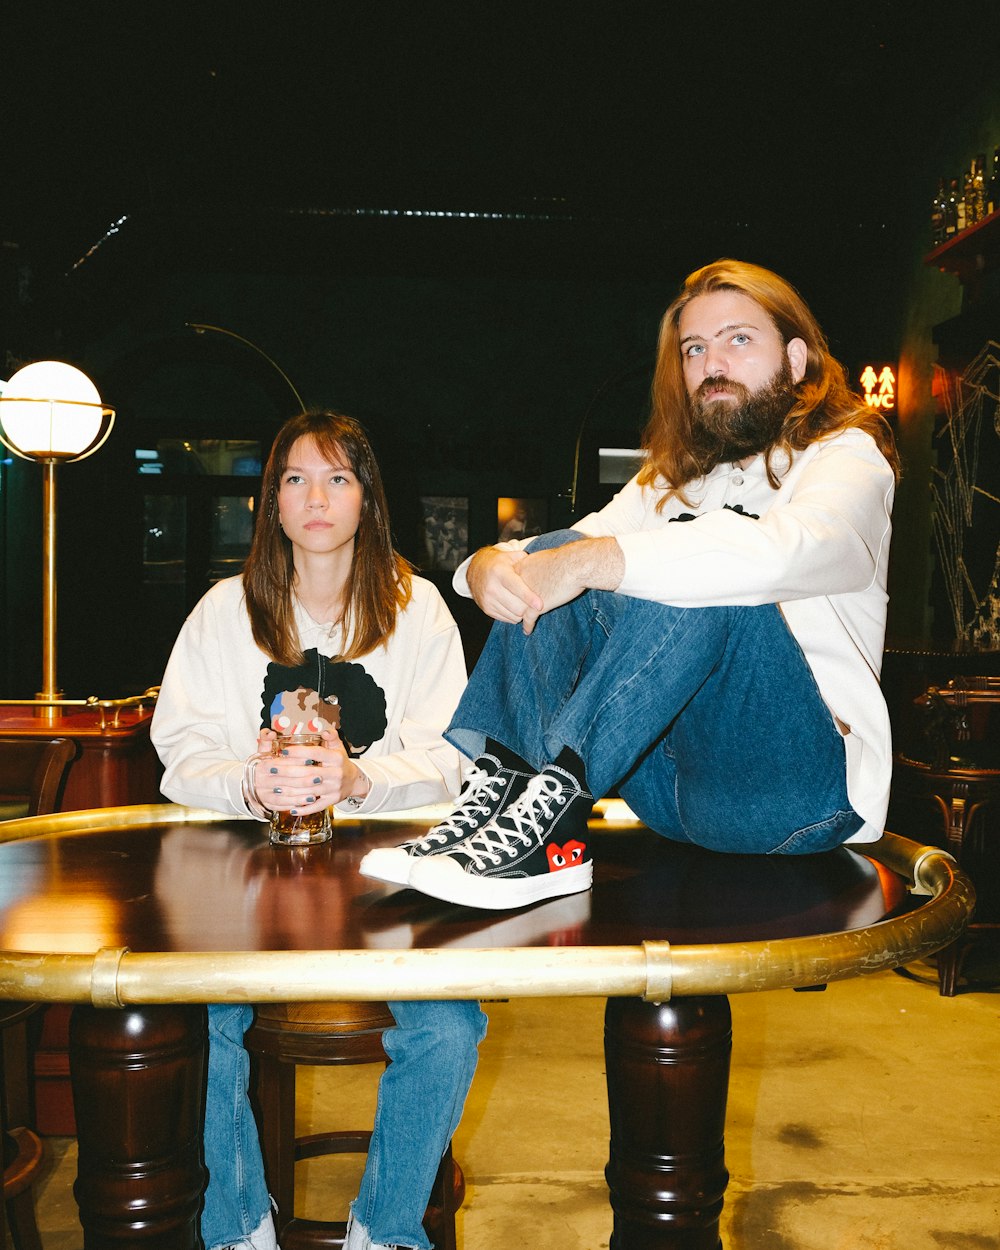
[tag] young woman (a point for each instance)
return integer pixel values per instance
(326, 619)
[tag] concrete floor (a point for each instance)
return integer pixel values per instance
(865, 1117)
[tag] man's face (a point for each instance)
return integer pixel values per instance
(739, 373)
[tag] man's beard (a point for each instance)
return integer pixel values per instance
(725, 431)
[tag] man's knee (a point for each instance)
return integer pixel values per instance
(557, 538)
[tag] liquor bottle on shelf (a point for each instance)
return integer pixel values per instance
(961, 212)
(993, 189)
(939, 209)
(954, 211)
(975, 192)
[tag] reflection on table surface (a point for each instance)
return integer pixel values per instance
(219, 885)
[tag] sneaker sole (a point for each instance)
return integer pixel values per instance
(393, 865)
(440, 877)
(389, 864)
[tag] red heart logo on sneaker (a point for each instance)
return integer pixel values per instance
(565, 856)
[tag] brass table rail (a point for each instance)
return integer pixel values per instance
(655, 971)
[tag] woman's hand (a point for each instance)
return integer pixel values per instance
(305, 779)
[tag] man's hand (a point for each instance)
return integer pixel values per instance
(513, 586)
(497, 587)
(559, 574)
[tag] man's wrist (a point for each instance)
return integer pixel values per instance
(600, 563)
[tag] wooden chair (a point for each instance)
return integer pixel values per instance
(284, 1035)
(32, 773)
(22, 1149)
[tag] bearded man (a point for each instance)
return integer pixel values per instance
(709, 643)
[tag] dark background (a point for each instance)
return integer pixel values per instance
(459, 221)
(669, 129)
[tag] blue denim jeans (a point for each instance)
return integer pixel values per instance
(708, 720)
(433, 1052)
(434, 1049)
(236, 1199)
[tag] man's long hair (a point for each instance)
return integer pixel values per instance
(823, 403)
(380, 582)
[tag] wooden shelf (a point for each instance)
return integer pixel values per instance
(971, 252)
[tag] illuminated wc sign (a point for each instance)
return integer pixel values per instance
(879, 385)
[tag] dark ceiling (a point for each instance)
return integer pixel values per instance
(799, 125)
(770, 112)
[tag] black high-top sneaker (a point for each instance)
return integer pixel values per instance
(489, 788)
(536, 848)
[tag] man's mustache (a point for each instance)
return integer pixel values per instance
(721, 384)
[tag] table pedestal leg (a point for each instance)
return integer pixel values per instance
(138, 1090)
(668, 1078)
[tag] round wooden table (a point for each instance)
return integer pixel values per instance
(141, 915)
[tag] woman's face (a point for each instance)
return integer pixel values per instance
(319, 501)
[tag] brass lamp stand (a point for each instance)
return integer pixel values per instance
(51, 413)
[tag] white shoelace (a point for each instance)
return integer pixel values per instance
(479, 786)
(541, 795)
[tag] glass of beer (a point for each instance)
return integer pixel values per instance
(287, 829)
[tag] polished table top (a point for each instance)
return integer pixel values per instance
(98, 892)
(197, 886)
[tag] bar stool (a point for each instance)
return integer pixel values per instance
(946, 790)
(285, 1035)
(22, 1153)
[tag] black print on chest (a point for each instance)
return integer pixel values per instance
(726, 507)
(325, 694)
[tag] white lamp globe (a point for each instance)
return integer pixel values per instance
(61, 415)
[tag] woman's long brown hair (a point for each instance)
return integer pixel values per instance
(824, 402)
(380, 582)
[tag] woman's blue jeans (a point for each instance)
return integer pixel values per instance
(433, 1049)
(433, 1052)
(236, 1199)
(708, 720)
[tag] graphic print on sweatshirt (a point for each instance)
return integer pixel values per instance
(726, 507)
(324, 694)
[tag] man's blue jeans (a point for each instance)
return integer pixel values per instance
(420, 1099)
(708, 720)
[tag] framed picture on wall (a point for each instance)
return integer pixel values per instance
(445, 536)
(518, 517)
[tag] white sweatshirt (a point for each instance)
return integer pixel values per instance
(209, 710)
(818, 546)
